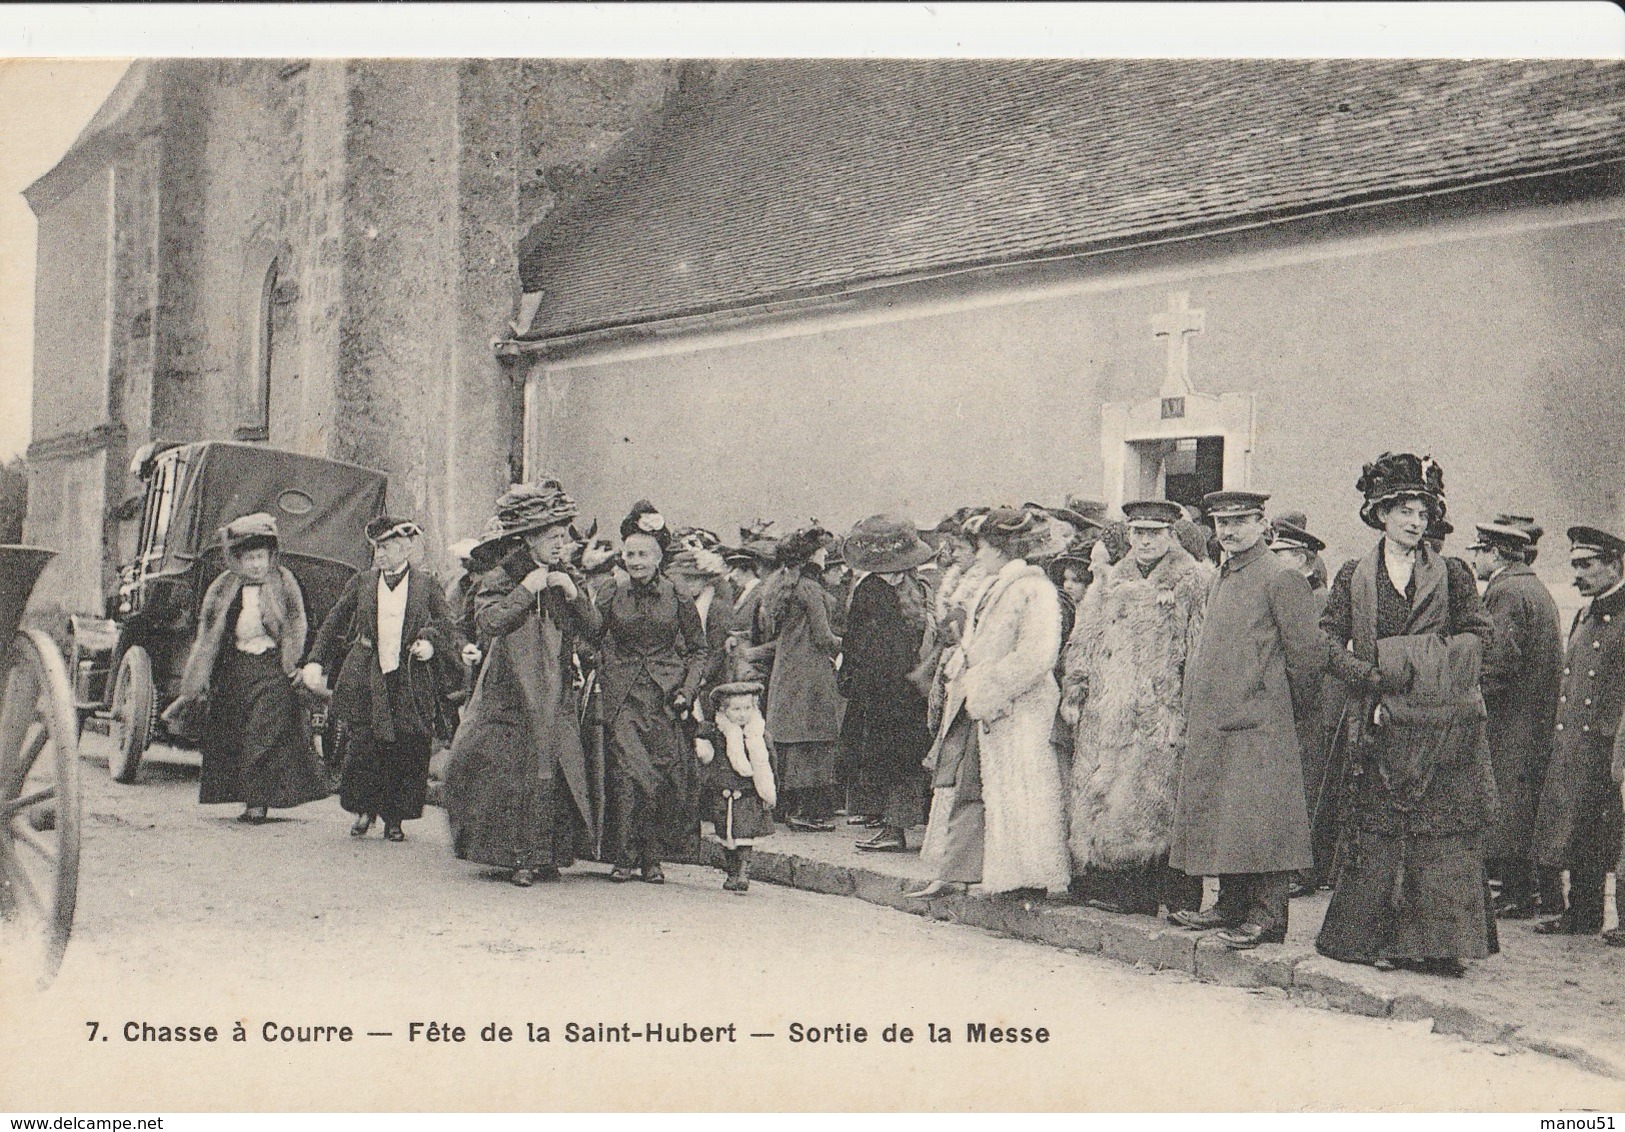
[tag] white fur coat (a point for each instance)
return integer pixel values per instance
(1125, 671)
(1008, 687)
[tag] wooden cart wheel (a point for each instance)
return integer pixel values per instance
(39, 802)
(135, 706)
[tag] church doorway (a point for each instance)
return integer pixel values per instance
(1182, 469)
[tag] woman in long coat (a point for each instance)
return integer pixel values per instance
(521, 792)
(1007, 828)
(1417, 795)
(884, 731)
(387, 699)
(652, 659)
(803, 707)
(238, 679)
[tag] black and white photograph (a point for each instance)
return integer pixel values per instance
(856, 575)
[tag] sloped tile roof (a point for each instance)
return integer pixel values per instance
(787, 178)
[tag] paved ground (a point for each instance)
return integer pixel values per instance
(187, 917)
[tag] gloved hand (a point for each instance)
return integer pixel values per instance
(422, 649)
(313, 677)
(471, 655)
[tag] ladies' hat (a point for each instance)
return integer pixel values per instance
(698, 537)
(758, 530)
(737, 688)
(691, 563)
(1018, 531)
(645, 520)
(385, 527)
(886, 544)
(802, 544)
(462, 548)
(534, 507)
(249, 531)
(1400, 475)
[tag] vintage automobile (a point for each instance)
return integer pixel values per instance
(126, 667)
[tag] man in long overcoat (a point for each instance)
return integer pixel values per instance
(1523, 670)
(391, 637)
(1241, 814)
(1578, 827)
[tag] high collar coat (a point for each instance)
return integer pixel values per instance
(1241, 806)
(1523, 673)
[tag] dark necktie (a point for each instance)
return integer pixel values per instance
(393, 581)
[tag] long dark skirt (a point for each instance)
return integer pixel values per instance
(805, 766)
(651, 804)
(504, 809)
(257, 750)
(1410, 897)
(387, 779)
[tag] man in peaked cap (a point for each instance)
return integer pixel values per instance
(1522, 676)
(1578, 827)
(1122, 696)
(1241, 813)
(391, 637)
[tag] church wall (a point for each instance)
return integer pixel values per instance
(1491, 345)
(72, 296)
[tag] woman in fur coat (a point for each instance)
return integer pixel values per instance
(1007, 829)
(239, 678)
(1124, 689)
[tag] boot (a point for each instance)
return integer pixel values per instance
(738, 870)
(730, 859)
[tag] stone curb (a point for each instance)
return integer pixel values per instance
(1295, 972)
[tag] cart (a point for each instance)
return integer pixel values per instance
(39, 779)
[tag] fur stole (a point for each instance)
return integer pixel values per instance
(746, 751)
(282, 609)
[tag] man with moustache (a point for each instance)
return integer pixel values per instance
(1578, 828)
(1241, 814)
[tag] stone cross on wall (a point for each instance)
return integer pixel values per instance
(1175, 325)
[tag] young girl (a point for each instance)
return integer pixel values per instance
(737, 788)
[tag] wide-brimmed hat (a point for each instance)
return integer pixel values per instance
(761, 552)
(1400, 475)
(385, 527)
(697, 537)
(462, 548)
(886, 544)
(535, 506)
(1285, 535)
(249, 531)
(758, 530)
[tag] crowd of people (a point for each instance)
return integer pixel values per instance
(1070, 704)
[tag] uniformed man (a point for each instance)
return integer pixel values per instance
(1241, 814)
(1522, 674)
(1578, 827)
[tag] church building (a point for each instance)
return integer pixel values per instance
(825, 289)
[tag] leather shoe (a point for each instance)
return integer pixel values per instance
(886, 841)
(1520, 909)
(620, 875)
(1199, 921)
(255, 815)
(1614, 937)
(548, 874)
(653, 874)
(1245, 937)
(363, 823)
(1566, 924)
(393, 831)
(522, 878)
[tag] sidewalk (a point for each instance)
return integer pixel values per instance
(1563, 996)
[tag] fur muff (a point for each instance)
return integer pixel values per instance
(1008, 687)
(1125, 671)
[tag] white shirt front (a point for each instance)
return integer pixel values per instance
(703, 603)
(250, 628)
(391, 615)
(1400, 564)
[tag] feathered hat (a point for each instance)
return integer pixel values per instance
(886, 544)
(644, 519)
(1400, 475)
(534, 507)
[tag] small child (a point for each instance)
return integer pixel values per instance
(737, 788)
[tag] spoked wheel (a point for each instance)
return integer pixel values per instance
(135, 707)
(39, 803)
